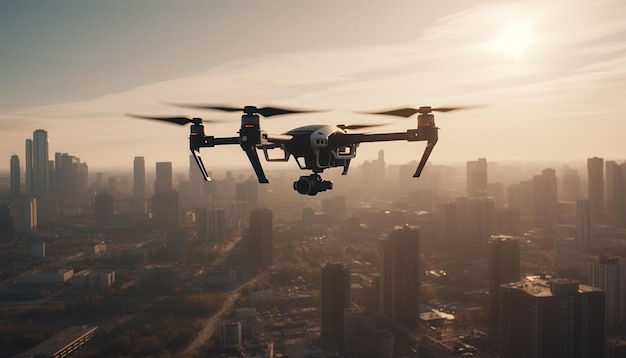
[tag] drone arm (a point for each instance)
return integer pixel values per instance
(429, 148)
(256, 164)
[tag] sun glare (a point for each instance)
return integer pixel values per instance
(514, 40)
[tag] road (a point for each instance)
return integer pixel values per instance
(211, 323)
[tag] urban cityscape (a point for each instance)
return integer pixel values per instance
(483, 259)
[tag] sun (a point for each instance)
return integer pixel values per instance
(514, 40)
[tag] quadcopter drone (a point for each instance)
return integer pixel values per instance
(314, 147)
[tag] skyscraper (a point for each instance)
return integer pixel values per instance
(16, 190)
(164, 177)
(166, 210)
(40, 163)
(477, 178)
(615, 191)
(504, 267)
(104, 209)
(544, 317)
(584, 225)
(335, 298)
(261, 238)
(399, 276)
(595, 180)
(610, 275)
(139, 178)
(29, 167)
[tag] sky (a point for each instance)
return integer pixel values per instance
(548, 78)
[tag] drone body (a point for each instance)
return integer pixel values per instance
(313, 147)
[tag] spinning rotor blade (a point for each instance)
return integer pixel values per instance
(408, 112)
(175, 119)
(357, 126)
(264, 111)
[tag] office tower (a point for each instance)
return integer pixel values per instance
(16, 190)
(545, 194)
(217, 225)
(360, 333)
(335, 298)
(29, 168)
(504, 267)
(139, 178)
(40, 163)
(543, 317)
(610, 275)
(399, 276)
(104, 209)
(595, 180)
(520, 196)
(564, 249)
(584, 225)
(164, 177)
(65, 174)
(571, 186)
(25, 217)
(450, 221)
(477, 178)
(615, 191)
(230, 333)
(166, 210)
(508, 221)
(260, 238)
(480, 219)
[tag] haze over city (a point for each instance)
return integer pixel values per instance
(548, 77)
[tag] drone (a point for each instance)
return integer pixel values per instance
(314, 147)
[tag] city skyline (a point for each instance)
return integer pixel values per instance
(546, 77)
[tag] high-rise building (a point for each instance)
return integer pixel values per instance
(508, 221)
(360, 333)
(543, 317)
(595, 180)
(615, 191)
(164, 177)
(139, 178)
(29, 168)
(545, 194)
(16, 183)
(399, 276)
(571, 186)
(610, 275)
(217, 225)
(104, 209)
(166, 210)
(260, 238)
(24, 212)
(480, 219)
(584, 225)
(40, 163)
(477, 178)
(335, 298)
(504, 267)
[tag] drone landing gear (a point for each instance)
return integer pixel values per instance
(311, 184)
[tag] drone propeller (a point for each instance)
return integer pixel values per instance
(408, 112)
(175, 120)
(264, 111)
(357, 126)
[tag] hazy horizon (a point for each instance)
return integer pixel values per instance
(548, 77)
